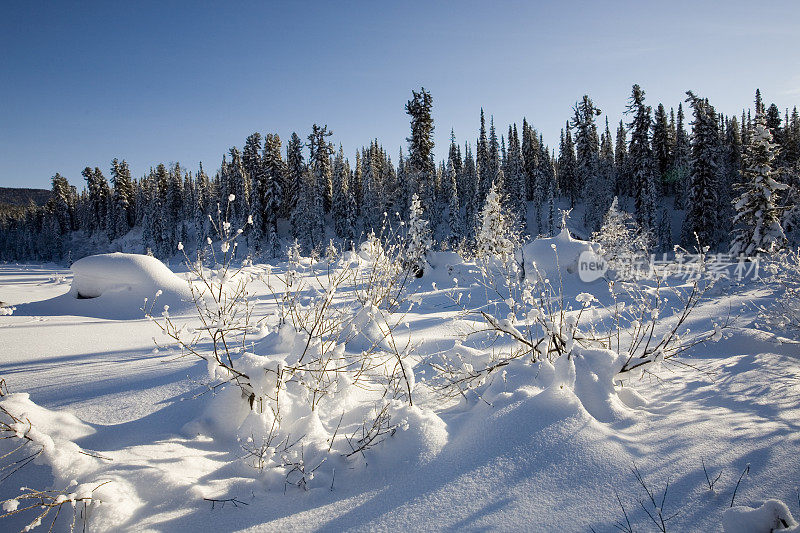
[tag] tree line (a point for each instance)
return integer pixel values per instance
(722, 172)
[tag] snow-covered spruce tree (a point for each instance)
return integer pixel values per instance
(60, 204)
(702, 202)
(599, 185)
(160, 226)
(530, 163)
(343, 210)
(294, 175)
(311, 196)
(202, 207)
(545, 189)
(482, 170)
(681, 162)
(251, 161)
(307, 213)
(456, 232)
(99, 198)
(372, 203)
(567, 171)
(494, 156)
(419, 238)
(622, 182)
(515, 181)
(641, 162)
(587, 144)
(124, 215)
(758, 215)
(421, 168)
(622, 241)
(662, 148)
(239, 186)
(495, 236)
(791, 204)
(469, 199)
(274, 178)
(171, 208)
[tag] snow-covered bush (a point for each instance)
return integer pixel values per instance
(772, 516)
(321, 376)
(579, 342)
(379, 271)
(623, 244)
(784, 313)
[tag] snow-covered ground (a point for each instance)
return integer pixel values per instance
(538, 450)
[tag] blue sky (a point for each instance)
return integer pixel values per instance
(82, 83)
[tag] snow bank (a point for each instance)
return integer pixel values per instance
(773, 515)
(97, 275)
(51, 434)
(114, 286)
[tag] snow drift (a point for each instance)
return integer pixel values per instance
(114, 286)
(555, 256)
(101, 274)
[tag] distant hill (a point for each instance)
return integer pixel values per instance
(23, 197)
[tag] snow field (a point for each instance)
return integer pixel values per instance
(539, 445)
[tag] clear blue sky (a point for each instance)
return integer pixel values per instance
(83, 83)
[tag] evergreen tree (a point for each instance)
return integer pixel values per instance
(471, 192)
(495, 236)
(758, 217)
(641, 162)
(254, 168)
(599, 191)
(274, 178)
(494, 155)
(294, 173)
(454, 209)
(545, 181)
(586, 145)
(662, 148)
(403, 186)
(239, 186)
(773, 120)
(341, 192)
(419, 238)
(622, 241)
(420, 147)
(567, 171)
(530, 164)
(623, 183)
(681, 161)
(372, 202)
(124, 199)
(99, 198)
(702, 203)
(60, 205)
(202, 207)
(515, 179)
(319, 175)
(482, 166)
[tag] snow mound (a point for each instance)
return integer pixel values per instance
(773, 515)
(114, 286)
(97, 275)
(553, 256)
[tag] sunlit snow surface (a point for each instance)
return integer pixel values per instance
(539, 458)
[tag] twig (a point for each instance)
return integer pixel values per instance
(744, 473)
